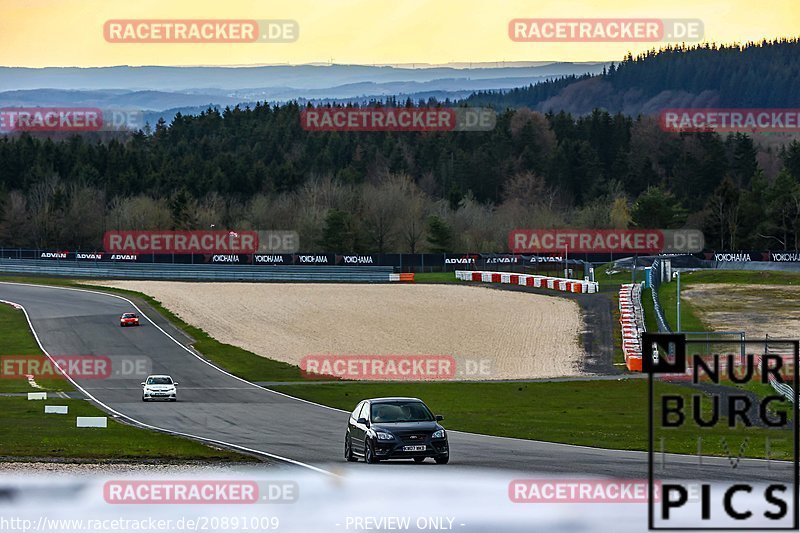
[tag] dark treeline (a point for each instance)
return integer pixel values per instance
(414, 192)
(761, 74)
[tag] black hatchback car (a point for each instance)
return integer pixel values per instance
(395, 428)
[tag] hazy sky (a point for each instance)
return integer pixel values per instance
(40, 33)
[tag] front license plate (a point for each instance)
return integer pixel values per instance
(414, 448)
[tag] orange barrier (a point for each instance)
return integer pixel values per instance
(634, 363)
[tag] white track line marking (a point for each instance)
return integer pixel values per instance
(559, 444)
(142, 424)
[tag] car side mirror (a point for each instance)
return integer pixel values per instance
(439, 417)
(174, 382)
(142, 383)
(363, 421)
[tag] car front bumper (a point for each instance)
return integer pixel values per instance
(395, 449)
(160, 395)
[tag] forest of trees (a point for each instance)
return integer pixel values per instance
(415, 192)
(760, 74)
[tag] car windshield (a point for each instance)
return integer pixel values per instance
(159, 381)
(128, 315)
(400, 411)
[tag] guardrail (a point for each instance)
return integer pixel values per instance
(655, 282)
(202, 272)
(546, 264)
(784, 389)
(654, 274)
(632, 324)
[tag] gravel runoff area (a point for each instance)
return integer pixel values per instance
(491, 334)
(757, 310)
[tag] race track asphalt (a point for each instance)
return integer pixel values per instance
(218, 407)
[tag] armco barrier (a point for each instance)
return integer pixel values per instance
(548, 264)
(655, 282)
(631, 317)
(202, 272)
(530, 280)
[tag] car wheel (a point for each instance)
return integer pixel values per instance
(419, 459)
(143, 399)
(369, 454)
(442, 459)
(173, 399)
(348, 450)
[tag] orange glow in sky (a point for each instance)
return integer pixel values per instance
(39, 33)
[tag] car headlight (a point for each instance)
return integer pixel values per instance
(384, 436)
(438, 434)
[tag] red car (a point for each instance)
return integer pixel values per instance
(128, 319)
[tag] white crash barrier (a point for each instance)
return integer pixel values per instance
(56, 409)
(631, 319)
(37, 395)
(91, 421)
(530, 280)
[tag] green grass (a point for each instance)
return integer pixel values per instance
(606, 414)
(616, 327)
(614, 280)
(235, 360)
(436, 277)
(17, 343)
(690, 319)
(25, 431)
(650, 322)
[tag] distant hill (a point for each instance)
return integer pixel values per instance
(188, 79)
(761, 74)
(161, 91)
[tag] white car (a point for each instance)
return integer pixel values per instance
(159, 388)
